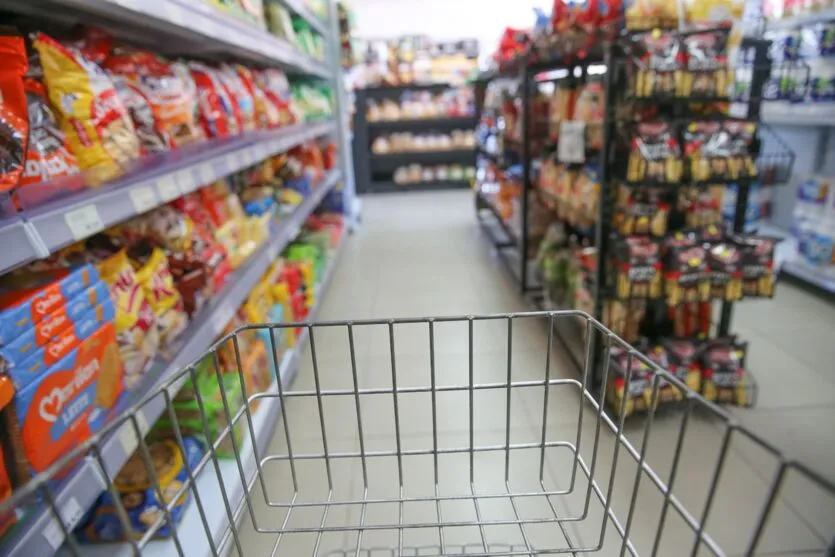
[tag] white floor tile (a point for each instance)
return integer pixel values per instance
(423, 255)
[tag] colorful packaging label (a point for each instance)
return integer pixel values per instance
(60, 345)
(52, 325)
(70, 400)
(29, 305)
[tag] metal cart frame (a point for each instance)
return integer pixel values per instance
(585, 474)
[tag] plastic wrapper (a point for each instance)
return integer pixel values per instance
(217, 112)
(14, 126)
(98, 127)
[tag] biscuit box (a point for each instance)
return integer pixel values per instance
(70, 400)
(33, 296)
(23, 347)
(138, 495)
(60, 345)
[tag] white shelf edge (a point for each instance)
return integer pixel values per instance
(792, 22)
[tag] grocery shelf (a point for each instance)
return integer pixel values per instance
(792, 22)
(196, 27)
(154, 181)
(419, 124)
(307, 14)
(449, 156)
(387, 187)
(784, 113)
(41, 536)
(264, 422)
(388, 90)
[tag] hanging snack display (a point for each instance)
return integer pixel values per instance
(655, 154)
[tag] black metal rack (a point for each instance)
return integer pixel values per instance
(374, 171)
(615, 56)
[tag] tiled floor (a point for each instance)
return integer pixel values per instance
(423, 255)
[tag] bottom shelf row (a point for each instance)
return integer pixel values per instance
(229, 384)
(211, 533)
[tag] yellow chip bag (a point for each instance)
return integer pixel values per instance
(90, 112)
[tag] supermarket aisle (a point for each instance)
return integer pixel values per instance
(418, 255)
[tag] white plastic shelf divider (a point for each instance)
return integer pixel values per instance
(307, 14)
(41, 536)
(783, 113)
(264, 421)
(20, 245)
(793, 22)
(198, 21)
(69, 220)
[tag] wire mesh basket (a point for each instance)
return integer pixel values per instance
(456, 435)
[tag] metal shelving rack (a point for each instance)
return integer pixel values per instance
(810, 127)
(183, 27)
(367, 164)
(613, 58)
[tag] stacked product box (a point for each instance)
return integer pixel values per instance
(58, 352)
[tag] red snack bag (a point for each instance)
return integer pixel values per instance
(277, 89)
(243, 106)
(14, 122)
(168, 96)
(217, 113)
(267, 113)
(48, 156)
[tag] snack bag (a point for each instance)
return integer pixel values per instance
(641, 212)
(97, 125)
(136, 329)
(725, 262)
(14, 125)
(267, 112)
(276, 87)
(590, 109)
(652, 14)
(686, 274)
(661, 65)
(667, 392)
(707, 72)
(638, 269)
(723, 368)
(138, 495)
(240, 96)
(169, 97)
(720, 151)
(48, 156)
(757, 265)
(655, 154)
(152, 139)
(217, 111)
(154, 276)
(636, 396)
(684, 357)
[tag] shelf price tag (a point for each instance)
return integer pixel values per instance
(127, 435)
(174, 13)
(143, 198)
(572, 145)
(71, 513)
(185, 181)
(84, 222)
(168, 188)
(206, 172)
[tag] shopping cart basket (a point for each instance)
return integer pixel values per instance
(445, 436)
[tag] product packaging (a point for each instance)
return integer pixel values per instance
(27, 297)
(91, 114)
(14, 121)
(655, 154)
(48, 156)
(70, 400)
(723, 369)
(638, 263)
(138, 493)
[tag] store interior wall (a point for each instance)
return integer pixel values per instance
(484, 20)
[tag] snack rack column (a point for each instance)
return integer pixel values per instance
(414, 138)
(271, 226)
